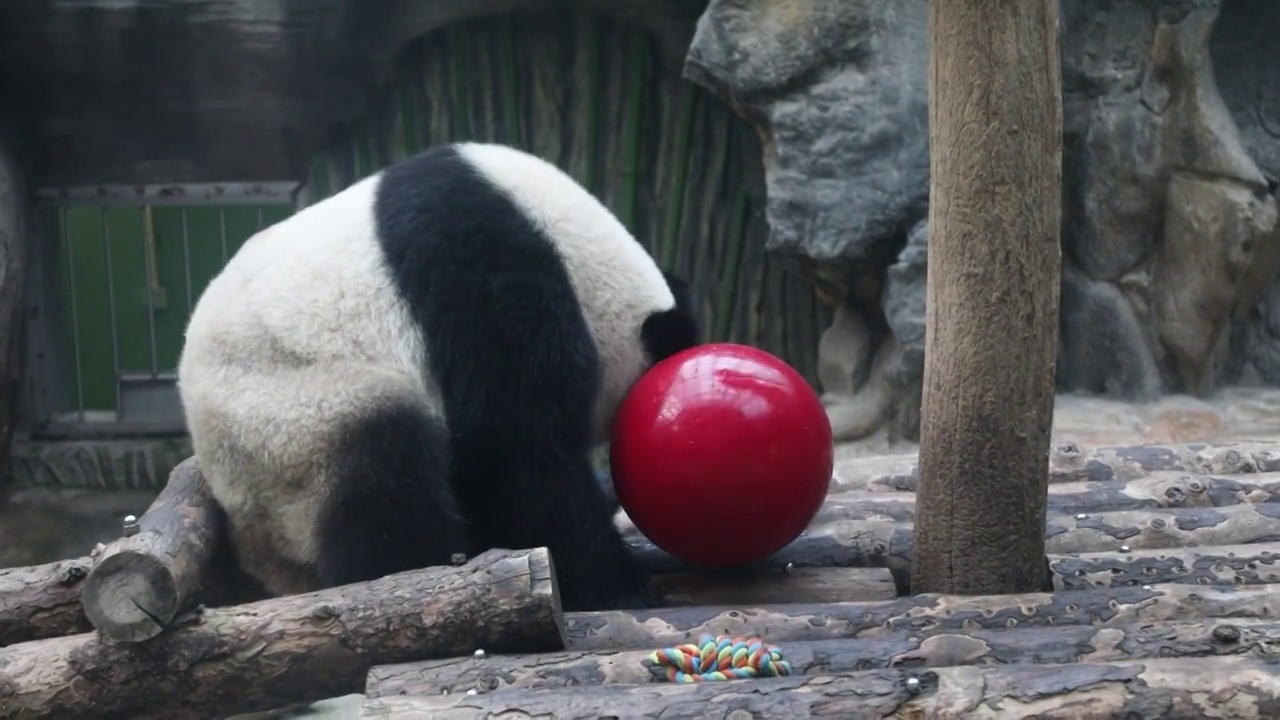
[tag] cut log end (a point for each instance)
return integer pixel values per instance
(141, 582)
(131, 596)
(544, 585)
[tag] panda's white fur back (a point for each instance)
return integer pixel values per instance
(304, 331)
(301, 329)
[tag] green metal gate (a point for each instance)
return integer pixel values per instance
(123, 268)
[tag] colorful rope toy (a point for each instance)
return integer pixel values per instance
(717, 658)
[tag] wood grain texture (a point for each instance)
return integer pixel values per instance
(904, 647)
(1229, 686)
(300, 648)
(766, 586)
(139, 583)
(42, 601)
(1104, 606)
(1071, 463)
(995, 184)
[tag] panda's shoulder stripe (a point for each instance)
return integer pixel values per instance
(478, 276)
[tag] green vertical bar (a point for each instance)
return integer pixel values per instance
(670, 241)
(129, 260)
(509, 76)
(591, 99)
(726, 304)
(242, 224)
(319, 180)
(204, 234)
(408, 114)
(458, 48)
(633, 120)
(88, 273)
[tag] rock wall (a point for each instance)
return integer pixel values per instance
(1171, 247)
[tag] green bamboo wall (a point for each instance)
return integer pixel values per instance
(595, 97)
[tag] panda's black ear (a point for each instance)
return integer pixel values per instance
(680, 289)
(667, 333)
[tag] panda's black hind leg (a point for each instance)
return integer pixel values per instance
(535, 491)
(392, 508)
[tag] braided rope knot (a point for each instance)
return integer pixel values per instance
(717, 658)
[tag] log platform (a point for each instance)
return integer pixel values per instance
(1161, 598)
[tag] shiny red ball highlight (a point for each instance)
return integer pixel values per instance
(721, 455)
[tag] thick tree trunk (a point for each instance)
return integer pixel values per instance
(299, 648)
(995, 181)
(652, 629)
(140, 582)
(909, 647)
(42, 601)
(1232, 686)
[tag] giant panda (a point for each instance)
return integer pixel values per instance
(420, 365)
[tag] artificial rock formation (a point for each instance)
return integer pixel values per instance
(1171, 156)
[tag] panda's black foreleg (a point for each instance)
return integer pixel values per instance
(391, 508)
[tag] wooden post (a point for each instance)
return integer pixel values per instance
(995, 134)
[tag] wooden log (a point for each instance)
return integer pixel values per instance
(42, 601)
(1235, 686)
(876, 543)
(1163, 490)
(1069, 462)
(1158, 491)
(902, 648)
(1215, 565)
(653, 628)
(141, 581)
(754, 586)
(298, 648)
(1167, 528)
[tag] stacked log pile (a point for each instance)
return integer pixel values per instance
(1159, 599)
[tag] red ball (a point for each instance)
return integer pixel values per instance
(721, 454)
